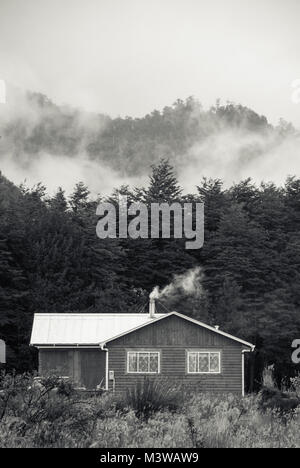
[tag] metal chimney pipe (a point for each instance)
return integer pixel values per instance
(152, 307)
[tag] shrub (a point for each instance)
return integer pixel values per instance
(151, 395)
(295, 383)
(273, 398)
(48, 411)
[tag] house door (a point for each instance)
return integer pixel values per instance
(92, 368)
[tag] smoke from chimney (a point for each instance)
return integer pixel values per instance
(187, 282)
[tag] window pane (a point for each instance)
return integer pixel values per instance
(192, 362)
(153, 362)
(203, 359)
(143, 362)
(132, 362)
(214, 362)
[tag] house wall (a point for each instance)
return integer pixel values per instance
(173, 336)
(85, 367)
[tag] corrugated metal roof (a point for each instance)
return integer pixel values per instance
(80, 329)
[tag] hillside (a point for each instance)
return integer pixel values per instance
(224, 139)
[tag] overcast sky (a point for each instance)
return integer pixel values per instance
(127, 57)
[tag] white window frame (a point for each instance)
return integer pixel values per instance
(143, 352)
(202, 351)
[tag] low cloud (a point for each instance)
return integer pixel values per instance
(233, 155)
(63, 171)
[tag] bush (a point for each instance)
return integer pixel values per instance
(47, 411)
(151, 395)
(295, 384)
(273, 398)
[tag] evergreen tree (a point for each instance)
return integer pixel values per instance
(58, 201)
(163, 187)
(152, 262)
(79, 198)
(211, 193)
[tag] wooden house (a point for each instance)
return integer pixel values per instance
(114, 351)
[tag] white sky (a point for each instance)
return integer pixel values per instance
(127, 57)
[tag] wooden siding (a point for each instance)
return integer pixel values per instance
(92, 367)
(173, 336)
(86, 367)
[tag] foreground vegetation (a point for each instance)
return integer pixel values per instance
(51, 413)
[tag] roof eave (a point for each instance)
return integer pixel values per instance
(65, 345)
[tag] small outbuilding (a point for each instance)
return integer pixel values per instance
(115, 351)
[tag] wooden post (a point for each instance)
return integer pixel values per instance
(2, 352)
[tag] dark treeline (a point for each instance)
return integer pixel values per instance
(52, 261)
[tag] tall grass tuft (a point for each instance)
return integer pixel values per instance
(152, 395)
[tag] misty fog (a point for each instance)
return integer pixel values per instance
(59, 145)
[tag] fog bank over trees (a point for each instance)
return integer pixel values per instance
(60, 145)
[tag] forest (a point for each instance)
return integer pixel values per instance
(249, 283)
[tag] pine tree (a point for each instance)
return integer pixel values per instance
(79, 198)
(163, 187)
(215, 201)
(153, 262)
(58, 201)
